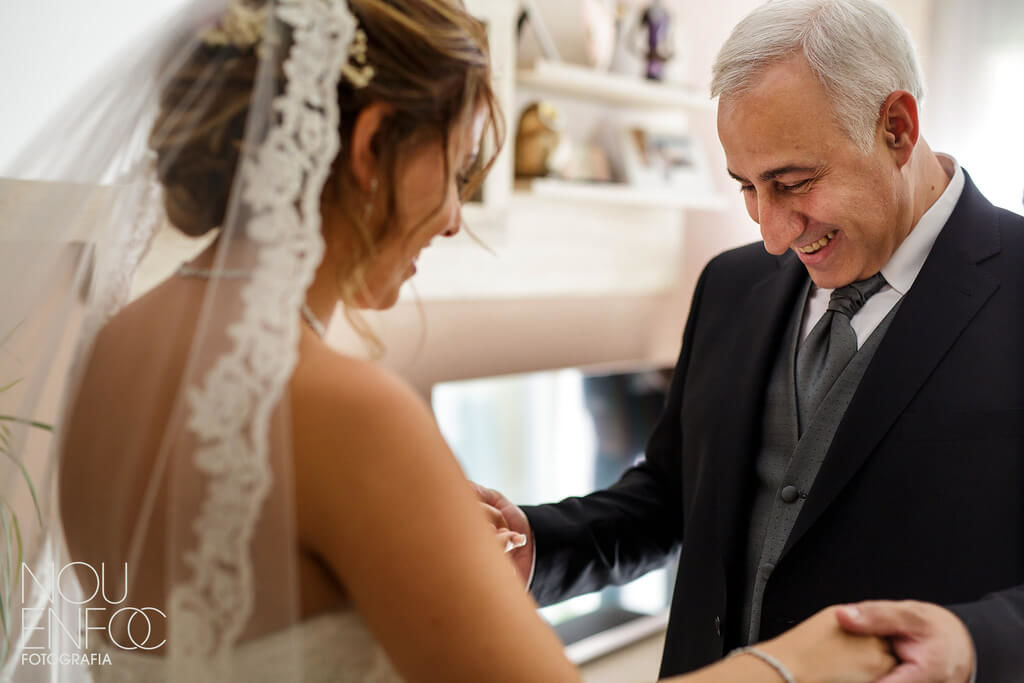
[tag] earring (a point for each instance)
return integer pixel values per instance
(368, 211)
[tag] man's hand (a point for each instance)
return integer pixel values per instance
(512, 528)
(931, 642)
(818, 651)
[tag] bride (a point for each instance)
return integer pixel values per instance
(261, 506)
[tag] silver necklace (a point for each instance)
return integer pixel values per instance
(314, 322)
(240, 274)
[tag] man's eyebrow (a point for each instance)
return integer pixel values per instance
(783, 170)
(775, 172)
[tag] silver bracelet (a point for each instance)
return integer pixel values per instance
(767, 659)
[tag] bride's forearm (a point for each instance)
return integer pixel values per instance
(741, 669)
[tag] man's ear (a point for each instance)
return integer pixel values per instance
(362, 155)
(900, 127)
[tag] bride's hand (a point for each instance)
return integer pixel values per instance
(510, 540)
(820, 651)
(510, 526)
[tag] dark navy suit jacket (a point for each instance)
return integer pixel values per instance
(921, 495)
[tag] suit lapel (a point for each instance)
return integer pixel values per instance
(947, 294)
(763, 315)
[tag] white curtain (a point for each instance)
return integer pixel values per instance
(974, 105)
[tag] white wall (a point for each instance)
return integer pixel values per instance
(975, 98)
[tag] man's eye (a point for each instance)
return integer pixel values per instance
(794, 186)
(746, 188)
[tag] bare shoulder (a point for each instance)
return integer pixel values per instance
(367, 455)
(359, 427)
(353, 397)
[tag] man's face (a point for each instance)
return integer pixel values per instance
(806, 183)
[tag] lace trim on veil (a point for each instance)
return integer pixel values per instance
(230, 410)
(116, 263)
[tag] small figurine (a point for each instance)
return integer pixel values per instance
(538, 137)
(658, 50)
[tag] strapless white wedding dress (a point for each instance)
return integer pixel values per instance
(335, 647)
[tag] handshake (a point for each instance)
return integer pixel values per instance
(884, 641)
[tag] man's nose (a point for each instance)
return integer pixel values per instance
(780, 226)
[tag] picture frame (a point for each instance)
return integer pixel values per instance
(662, 159)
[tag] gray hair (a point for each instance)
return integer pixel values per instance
(858, 49)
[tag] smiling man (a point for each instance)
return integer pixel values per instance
(846, 419)
(844, 211)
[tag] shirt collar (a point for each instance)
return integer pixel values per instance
(908, 259)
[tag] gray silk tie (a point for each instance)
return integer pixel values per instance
(829, 347)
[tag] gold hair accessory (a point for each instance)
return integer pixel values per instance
(360, 73)
(241, 26)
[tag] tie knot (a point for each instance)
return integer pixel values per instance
(849, 299)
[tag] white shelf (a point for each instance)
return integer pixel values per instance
(617, 194)
(579, 81)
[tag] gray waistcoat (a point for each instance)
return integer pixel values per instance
(788, 462)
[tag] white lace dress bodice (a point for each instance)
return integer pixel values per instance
(335, 647)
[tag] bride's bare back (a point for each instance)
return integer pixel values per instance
(126, 451)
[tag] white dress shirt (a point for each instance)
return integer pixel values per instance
(902, 269)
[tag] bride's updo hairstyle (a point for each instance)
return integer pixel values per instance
(431, 66)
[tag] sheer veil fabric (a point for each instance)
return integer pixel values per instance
(146, 478)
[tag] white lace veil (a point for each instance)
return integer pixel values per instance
(172, 434)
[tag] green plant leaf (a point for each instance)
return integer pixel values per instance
(11, 385)
(7, 337)
(28, 482)
(10, 571)
(11, 526)
(21, 546)
(5, 597)
(23, 421)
